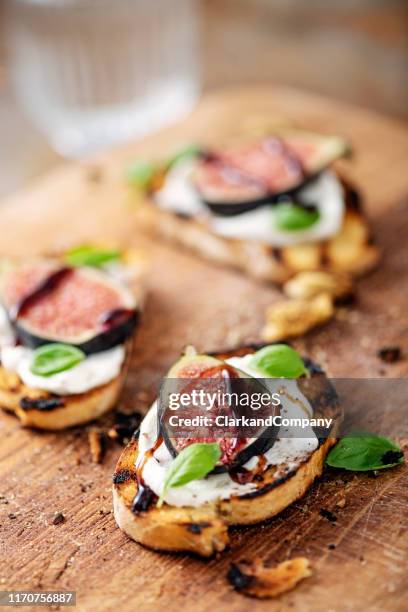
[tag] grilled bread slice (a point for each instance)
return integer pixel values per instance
(44, 410)
(204, 530)
(351, 251)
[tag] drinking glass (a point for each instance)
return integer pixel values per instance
(90, 73)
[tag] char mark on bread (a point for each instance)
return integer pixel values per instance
(42, 403)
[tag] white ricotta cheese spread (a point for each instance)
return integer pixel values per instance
(94, 371)
(326, 193)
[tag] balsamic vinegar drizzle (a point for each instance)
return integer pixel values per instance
(116, 317)
(242, 475)
(45, 287)
(143, 499)
(144, 495)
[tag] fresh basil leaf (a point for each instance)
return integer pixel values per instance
(193, 462)
(90, 256)
(292, 217)
(53, 358)
(142, 173)
(278, 360)
(185, 153)
(364, 451)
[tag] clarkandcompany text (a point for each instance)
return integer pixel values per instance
(244, 421)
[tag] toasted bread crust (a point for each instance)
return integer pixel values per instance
(204, 530)
(351, 251)
(43, 410)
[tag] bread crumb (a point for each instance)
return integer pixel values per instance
(96, 445)
(341, 503)
(252, 578)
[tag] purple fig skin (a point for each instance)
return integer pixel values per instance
(230, 209)
(258, 447)
(102, 341)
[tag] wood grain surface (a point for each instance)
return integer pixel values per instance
(191, 301)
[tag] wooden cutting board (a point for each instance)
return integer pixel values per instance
(191, 301)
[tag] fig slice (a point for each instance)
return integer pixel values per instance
(193, 373)
(227, 190)
(314, 151)
(78, 306)
(235, 180)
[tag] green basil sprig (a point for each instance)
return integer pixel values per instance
(193, 462)
(289, 216)
(360, 452)
(141, 173)
(91, 256)
(278, 361)
(182, 154)
(50, 359)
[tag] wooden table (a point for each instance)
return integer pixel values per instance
(192, 302)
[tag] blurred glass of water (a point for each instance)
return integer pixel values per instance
(90, 73)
